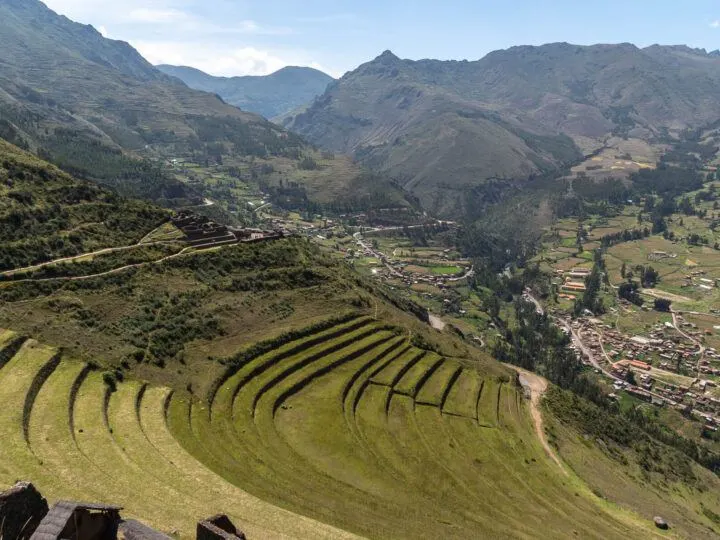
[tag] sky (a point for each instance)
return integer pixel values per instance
(258, 37)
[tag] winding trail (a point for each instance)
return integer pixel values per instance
(536, 386)
(184, 251)
(701, 347)
(104, 251)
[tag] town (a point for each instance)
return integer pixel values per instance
(668, 367)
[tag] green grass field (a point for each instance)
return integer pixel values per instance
(348, 430)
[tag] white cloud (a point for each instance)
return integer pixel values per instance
(327, 19)
(162, 16)
(178, 32)
(715, 24)
(220, 60)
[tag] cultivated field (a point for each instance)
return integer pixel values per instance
(346, 428)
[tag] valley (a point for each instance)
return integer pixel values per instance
(427, 299)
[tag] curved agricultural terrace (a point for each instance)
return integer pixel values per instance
(346, 431)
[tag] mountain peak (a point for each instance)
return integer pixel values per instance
(387, 57)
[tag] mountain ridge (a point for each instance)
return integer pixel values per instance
(270, 95)
(445, 125)
(97, 109)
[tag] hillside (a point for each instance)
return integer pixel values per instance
(441, 127)
(97, 109)
(332, 411)
(272, 95)
(46, 214)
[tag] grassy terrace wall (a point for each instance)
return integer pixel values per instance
(343, 429)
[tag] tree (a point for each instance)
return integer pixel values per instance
(650, 277)
(662, 304)
(623, 270)
(629, 292)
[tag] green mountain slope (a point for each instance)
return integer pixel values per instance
(444, 126)
(46, 214)
(272, 382)
(81, 99)
(272, 95)
(99, 110)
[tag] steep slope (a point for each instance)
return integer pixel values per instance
(64, 85)
(441, 127)
(216, 381)
(99, 110)
(46, 214)
(272, 95)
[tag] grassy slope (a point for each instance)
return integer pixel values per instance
(305, 433)
(46, 214)
(647, 477)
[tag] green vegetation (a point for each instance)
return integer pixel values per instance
(300, 425)
(655, 478)
(46, 214)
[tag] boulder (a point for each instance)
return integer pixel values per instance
(660, 523)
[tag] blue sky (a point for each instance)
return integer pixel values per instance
(256, 37)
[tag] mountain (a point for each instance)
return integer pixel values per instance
(441, 127)
(96, 108)
(270, 96)
(94, 105)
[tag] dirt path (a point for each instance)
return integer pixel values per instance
(436, 322)
(666, 295)
(536, 386)
(101, 274)
(142, 243)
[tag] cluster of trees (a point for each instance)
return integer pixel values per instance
(535, 343)
(610, 240)
(590, 299)
(647, 274)
(630, 292)
(662, 304)
(630, 289)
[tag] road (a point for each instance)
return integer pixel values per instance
(538, 306)
(701, 347)
(382, 257)
(381, 229)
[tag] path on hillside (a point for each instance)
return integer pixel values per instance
(184, 251)
(103, 251)
(667, 296)
(436, 322)
(536, 387)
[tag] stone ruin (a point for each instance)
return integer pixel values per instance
(22, 508)
(25, 515)
(218, 528)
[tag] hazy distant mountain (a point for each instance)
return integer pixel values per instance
(443, 126)
(273, 95)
